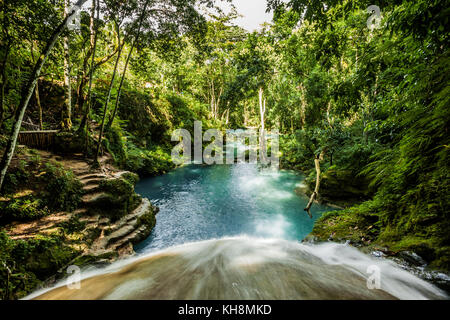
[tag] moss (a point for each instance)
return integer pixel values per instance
(119, 197)
(148, 219)
(72, 225)
(63, 190)
(92, 234)
(30, 262)
(86, 260)
(442, 260)
(362, 225)
(68, 142)
(343, 225)
(131, 177)
(24, 208)
(117, 187)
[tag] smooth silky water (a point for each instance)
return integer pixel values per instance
(234, 232)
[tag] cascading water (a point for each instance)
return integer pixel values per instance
(249, 268)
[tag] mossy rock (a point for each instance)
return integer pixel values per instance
(118, 187)
(119, 198)
(63, 190)
(148, 219)
(131, 177)
(109, 205)
(87, 260)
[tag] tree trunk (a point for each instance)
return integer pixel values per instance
(4, 81)
(28, 92)
(135, 42)
(38, 103)
(314, 195)
(105, 110)
(262, 139)
(303, 106)
(36, 91)
(84, 120)
(66, 123)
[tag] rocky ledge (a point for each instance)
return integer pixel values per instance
(109, 220)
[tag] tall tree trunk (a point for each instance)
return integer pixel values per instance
(4, 82)
(84, 120)
(38, 103)
(105, 109)
(36, 92)
(66, 123)
(6, 51)
(27, 93)
(262, 133)
(303, 106)
(314, 195)
(134, 44)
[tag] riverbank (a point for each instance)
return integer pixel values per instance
(60, 211)
(347, 225)
(357, 224)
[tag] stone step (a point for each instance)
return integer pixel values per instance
(90, 222)
(132, 238)
(89, 176)
(90, 188)
(92, 181)
(139, 211)
(123, 231)
(80, 211)
(127, 229)
(90, 198)
(118, 235)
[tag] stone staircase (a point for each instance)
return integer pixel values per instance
(122, 234)
(104, 236)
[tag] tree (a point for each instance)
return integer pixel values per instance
(118, 12)
(27, 93)
(66, 123)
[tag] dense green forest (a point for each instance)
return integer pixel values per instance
(369, 102)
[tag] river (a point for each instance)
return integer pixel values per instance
(234, 232)
(211, 202)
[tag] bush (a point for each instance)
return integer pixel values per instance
(114, 144)
(63, 190)
(71, 142)
(22, 209)
(28, 263)
(16, 177)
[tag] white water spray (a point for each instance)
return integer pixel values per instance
(248, 268)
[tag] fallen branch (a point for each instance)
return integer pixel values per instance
(314, 195)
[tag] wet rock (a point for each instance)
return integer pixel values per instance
(412, 258)
(378, 254)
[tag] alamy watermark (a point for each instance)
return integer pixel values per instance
(374, 21)
(241, 146)
(74, 21)
(374, 280)
(73, 282)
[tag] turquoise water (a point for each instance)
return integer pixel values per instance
(200, 202)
